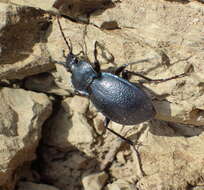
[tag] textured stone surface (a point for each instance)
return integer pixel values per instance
(70, 128)
(120, 185)
(80, 10)
(46, 83)
(65, 168)
(168, 33)
(34, 186)
(94, 181)
(23, 51)
(22, 114)
(44, 5)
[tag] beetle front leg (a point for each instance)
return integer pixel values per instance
(122, 67)
(106, 123)
(81, 93)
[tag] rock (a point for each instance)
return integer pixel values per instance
(166, 33)
(120, 185)
(99, 123)
(34, 186)
(164, 144)
(45, 82)
(198, 188)
(121, 158)
(80, 9)
(28, 55)
(79, 104)
(62, 78)
(67, 130)
(22, 114)
(186, 113)
(113, 187)
(94, 181)
(65, 168)
(46, 6)
(77, 9)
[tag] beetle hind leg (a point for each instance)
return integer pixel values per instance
(81, 93)
(126, 74)
(122, 67)
(106, 123)
(138, 159)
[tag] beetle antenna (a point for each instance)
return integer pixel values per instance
(69, 45)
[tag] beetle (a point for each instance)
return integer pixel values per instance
(115, 97)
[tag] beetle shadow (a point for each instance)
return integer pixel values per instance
(175, 129)
(165, 60)
(168, 128)
(163, 63)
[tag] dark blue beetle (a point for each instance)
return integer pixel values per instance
(118, 99)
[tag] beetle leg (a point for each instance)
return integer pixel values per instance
(60, 63)
(80, 93)
(97, 67)
(119, 70)
(106, 122)
(126, 73)
(122, 67)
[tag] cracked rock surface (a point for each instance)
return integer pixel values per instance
(51, 139)
(22, 115)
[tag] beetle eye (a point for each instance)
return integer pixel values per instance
(76, 60)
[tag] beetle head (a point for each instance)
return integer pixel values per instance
(71, 61)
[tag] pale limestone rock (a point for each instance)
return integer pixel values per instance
(113, 187)
(171, 33)
(170, 160)
(94, 181)
(120, 185)
(46, 83)
(121, 158)
(79, 10)
(65, 168)
(38, 4)
(75, 9)
(22, 53)
(35, 186)
(22, 114)
(80, 132)
(68, 130)
(99, 123)
(79, 104)
(198, 188)
(62, 78)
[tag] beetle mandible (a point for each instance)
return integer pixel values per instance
(115, 97)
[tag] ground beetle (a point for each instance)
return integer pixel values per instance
(118, 99)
